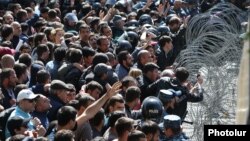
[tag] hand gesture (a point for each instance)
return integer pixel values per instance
(36, 121)
(40, 130)
(114, 89)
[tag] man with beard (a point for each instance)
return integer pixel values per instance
(125, 63)
(8, 83)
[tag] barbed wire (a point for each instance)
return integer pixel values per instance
(214, 50)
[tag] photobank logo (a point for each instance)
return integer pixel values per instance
(212, 132)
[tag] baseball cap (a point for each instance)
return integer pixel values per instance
(58, 84)
(26, 94)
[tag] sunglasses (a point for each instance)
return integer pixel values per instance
(30, 100)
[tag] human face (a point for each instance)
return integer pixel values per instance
(108, 32)
(119, 106)
(17, 29)
(43, 103)
(147, 57)
(44, 40)
(129, 60)
(84, 34)
(95, 93)
(59, 35)
(12, 79)
(8, 19)
(154, 75)
(62, 95)
(104, 45)
(92, 42)
(46, 54)
(28, 105)
(156, 136)
(71, 95)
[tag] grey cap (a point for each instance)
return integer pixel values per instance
(100, 69)
(58, 84)
(172, 121)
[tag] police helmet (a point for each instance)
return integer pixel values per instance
(163, 30)
(133, 38)
(152, 109)
(123, 45)
(145, 19)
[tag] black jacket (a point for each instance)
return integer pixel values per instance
(183, 98)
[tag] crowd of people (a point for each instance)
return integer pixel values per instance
(96, 70)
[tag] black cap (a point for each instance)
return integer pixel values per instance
(58, 84)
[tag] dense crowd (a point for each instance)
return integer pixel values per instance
(96, 70)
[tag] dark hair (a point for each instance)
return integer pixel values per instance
(74, 103)
(126, 80)
(98, 118)
(25, 46)
(84, 100)
(38, 38)
(42, 76)
(122, 56)
(149, 67)
(19, 87)
(64, 135)
(84, 26)
(6, 72)
(102, 27)
(41, 49)
(20, 14)
(100, 38)
(163, 40)
(65, 114)
(75, 55)
(20, 69)
(18, 137)
(181, 74)
(59, 54)
(112, 101)
(123, 124)
(52, 13)
(87, 51)
(132, 93)
(114, 117)
(150, 127)
(24, 27)
(92, 85)
(6, 31)
(136, 135)
(99, 58)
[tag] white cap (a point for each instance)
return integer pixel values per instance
(26, 94)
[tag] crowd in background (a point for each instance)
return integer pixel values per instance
(96, 69)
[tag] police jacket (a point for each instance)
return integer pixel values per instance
(184, 97)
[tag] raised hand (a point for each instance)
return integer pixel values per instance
(114, 89)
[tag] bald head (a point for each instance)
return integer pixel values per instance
(7, 61)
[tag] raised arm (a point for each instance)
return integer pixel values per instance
(97, 105)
